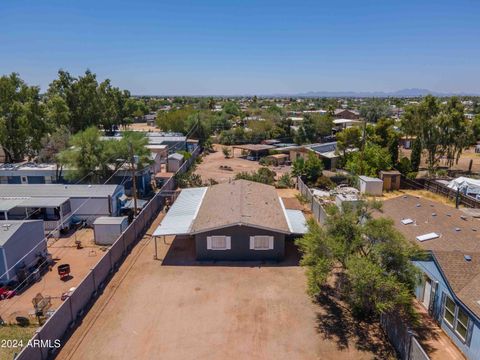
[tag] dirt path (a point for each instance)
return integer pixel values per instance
(187, 310)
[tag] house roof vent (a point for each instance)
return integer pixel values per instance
(467, 257)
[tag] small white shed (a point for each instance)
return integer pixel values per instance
(370, 186)
(174, 162)
(107, 229)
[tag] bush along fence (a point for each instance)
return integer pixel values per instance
(399, 335)
(71, 311)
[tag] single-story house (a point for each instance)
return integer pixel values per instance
(449, 285)
(33, 173)
(346, 114)
(22, 245)
(85, 201)
(370, 186)
(240, 220)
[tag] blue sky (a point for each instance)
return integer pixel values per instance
(238, 47)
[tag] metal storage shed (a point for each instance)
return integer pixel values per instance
(107, 229)
(370, 186)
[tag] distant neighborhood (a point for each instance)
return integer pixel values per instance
(226, 227)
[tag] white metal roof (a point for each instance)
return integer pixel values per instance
(181, 215)
(9, 204)
(296, 221)
(9, 227)
(109, 220)
(58, 190)
(39, 202)
(369, 179)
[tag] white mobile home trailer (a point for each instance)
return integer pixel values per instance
(22, 243)
(86, 201)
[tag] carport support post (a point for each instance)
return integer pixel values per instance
(156, 255)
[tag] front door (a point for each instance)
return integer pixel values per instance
(427, 292)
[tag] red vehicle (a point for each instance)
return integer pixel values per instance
(6, 294)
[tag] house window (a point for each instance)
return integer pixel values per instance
(218, 243)
(461, 327)
(456, 317)
(449, 314)
(261, 242)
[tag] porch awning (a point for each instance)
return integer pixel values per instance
(179, 218)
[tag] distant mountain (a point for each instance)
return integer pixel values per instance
(413, 92)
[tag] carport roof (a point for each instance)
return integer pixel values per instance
(181, 215)
(296, 221)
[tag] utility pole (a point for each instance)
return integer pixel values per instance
(134, 179)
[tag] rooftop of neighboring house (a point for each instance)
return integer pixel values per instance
(452, 236)
(58, 190)
(10, 227)
(339, 111)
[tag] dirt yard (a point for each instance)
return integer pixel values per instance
(176, 308)
(210, 166)
(463, 163)
(142, 127)
(63, 251)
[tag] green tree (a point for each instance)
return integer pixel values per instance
(349, 139)
(310, 169)
(263, 175)
(416, 155)
(52, 145)
(22, 123)
(374, 110)
(373, 160)
(369, 257)
(441, 129)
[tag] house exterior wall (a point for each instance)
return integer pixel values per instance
(471, 347)
(29, 236)
(240, 245)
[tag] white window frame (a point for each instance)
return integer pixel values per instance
(228, 243)
(445, 309)
(456, 321)
(256, 237)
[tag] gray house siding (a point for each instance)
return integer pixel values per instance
(240, 245)
(28, 239)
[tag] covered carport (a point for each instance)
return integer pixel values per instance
(180, 217)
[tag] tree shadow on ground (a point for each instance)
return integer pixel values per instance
(336, 323)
